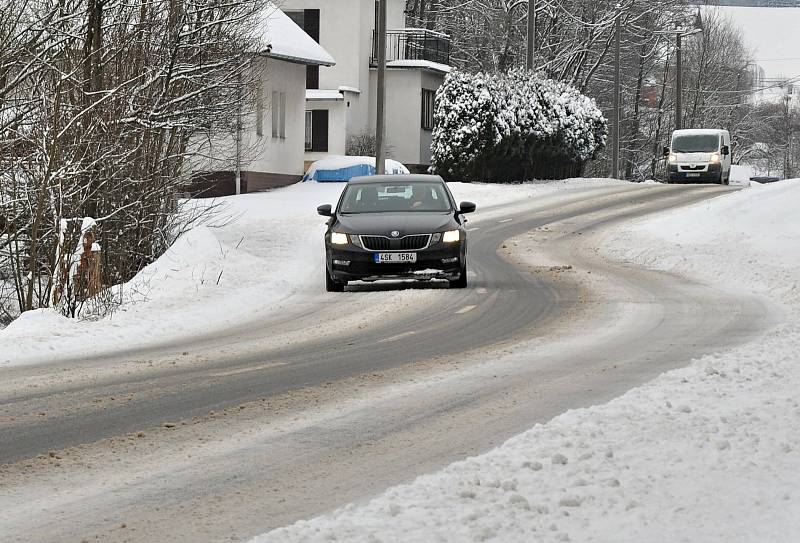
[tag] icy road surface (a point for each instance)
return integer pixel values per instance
(293, 413)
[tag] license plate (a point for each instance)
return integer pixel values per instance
(394, 258)
(692, 175)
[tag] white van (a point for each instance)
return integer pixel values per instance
(699, 155)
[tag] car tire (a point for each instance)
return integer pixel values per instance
(461, 282)
(331, 285)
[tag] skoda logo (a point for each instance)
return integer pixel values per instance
(395, 233)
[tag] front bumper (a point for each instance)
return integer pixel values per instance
(710, 174)
(441, 261)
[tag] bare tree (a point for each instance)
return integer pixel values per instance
(99, 103)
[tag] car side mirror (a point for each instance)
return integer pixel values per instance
(325, 210)
(665, 151)
(725, 150)
(466, 207)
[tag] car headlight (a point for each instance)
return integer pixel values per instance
(337, 238)
(673, 159)
(714, 158)
(451, 236)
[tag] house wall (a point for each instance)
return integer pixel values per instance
(430, 81)
(346, 28)
(395, 14)
(337, 135)
(279, 155)
(403, 114)
(264, 161)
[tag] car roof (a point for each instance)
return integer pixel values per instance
(413, 178)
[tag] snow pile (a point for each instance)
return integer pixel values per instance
(505, 127)
(710, 452)
(748, 239)
(266, 249)
(741, 174)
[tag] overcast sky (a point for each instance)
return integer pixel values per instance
(774, 35)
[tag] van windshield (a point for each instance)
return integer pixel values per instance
(695, 143)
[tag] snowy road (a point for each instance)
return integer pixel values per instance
(332, 407)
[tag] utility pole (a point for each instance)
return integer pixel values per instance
(679, 35)
(238, 172)
(531, 62)
(678, 84)
(615, 116)
(380, 128)
(786, 158)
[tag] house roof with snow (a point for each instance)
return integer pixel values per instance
(424, 64)
(323, 94)
(282, 39)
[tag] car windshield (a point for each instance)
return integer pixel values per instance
(394, 197)
(695, 143)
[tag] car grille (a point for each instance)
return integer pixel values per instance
(413, 242)
(376, 243)
(688, 168)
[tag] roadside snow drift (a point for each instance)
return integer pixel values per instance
(710, 452)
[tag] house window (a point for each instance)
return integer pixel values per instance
(259, 111)
(298, 17)
(319, 130)
(307, 19)
(283, 115)
(312, 77)
(309, 130)
(428, 99)
(278, 114)
(311, 23)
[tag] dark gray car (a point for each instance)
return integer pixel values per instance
(396, 227)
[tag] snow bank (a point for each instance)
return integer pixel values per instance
(706, 453)
(741, 174)
(212, 278)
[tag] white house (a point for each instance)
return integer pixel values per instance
(268, 148)
(340, 98)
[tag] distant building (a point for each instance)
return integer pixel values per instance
(340, 99)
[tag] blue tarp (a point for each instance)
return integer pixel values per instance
(340, 174)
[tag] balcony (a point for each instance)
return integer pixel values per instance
(413, 44)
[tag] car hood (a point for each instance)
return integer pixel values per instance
(412, 222)
(693, 157)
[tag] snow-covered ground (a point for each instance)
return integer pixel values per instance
(264, 255)
(710, 452)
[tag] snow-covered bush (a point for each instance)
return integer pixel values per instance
(508, 127)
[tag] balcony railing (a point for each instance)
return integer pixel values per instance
(413, 44)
